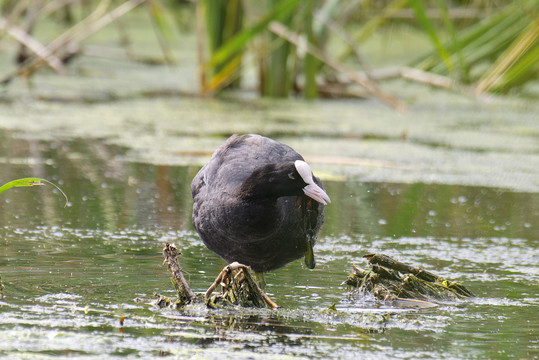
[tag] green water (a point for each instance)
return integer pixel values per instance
(452, 185)
(71, 274)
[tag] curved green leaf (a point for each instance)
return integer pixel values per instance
(30, 182)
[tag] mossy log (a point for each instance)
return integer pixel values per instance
(389, 279)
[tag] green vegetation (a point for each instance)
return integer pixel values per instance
(392, 280)
(495, 54)
(223, 21)
(313, 48)
(30, 182)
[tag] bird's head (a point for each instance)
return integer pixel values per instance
(311, 189)
(285, 179)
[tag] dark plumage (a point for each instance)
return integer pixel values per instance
(250, 203)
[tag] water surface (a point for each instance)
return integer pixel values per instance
(72, 274)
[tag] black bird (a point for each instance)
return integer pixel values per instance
(252, 203)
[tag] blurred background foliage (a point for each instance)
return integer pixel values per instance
(312, 48)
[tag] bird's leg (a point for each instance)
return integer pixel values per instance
(231, 273)
(219, 280)
(222, 277)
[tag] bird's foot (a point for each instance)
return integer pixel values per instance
(238, 287)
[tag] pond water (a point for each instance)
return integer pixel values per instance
(71, 275)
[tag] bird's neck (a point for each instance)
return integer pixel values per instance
(259, 192)
(256, 209)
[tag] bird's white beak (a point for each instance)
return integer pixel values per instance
(312, 190)
(315, 192)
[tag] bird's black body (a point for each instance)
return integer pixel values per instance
(249, 207)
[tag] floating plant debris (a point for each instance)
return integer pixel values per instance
(389, 279)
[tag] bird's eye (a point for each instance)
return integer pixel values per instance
(291, 176)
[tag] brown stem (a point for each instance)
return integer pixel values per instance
(170, 252)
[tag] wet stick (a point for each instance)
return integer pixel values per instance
(170, 252)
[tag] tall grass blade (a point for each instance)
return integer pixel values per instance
(374, 23)
(428, 27)
(365, 82)
(214, 10)
(492, 42)
(201, 45)
(225, 76)
(514, 63)
(526, 69)
(450, 28)
(224, 19)
(238, 42)
(498, 52)
(165, 30)
(277, 68)
(310, 62)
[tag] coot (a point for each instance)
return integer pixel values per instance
(253, 203)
